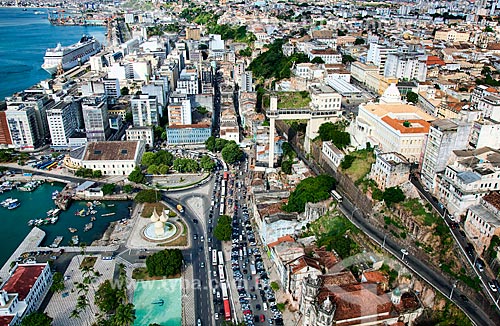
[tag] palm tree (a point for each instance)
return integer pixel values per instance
(125, 315)
(82, 288)
(75, 314)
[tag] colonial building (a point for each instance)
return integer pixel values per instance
(390, 170)
(145, 134)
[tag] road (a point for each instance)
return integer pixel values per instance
(478, 316)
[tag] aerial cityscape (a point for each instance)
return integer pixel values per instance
(268, 162)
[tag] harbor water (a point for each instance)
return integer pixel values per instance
(35, 204)
(24, 37)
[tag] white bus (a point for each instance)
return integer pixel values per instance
(214, 257)
(222, 277)
(221, 258)
(336, 196)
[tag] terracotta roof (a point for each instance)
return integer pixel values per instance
(302, 262)
(493, 46)
(196, 125)
(110, 150)
(322, 34)
(433, 60)
(286, 238)
(416, 126)
(5, 320)
(375, 277)
(326, 258)
(493, 198)
(23, 279)
(339, 279)
(325, 51)
(271, 209)
(492, 90)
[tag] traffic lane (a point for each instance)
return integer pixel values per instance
(478, 316)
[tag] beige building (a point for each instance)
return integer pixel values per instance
(360, 70)
(483, 221)
(450, 35)
(392, 126)
(390, 170)
(141, 133)
(193, 33)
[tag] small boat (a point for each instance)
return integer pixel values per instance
(159, 302)
(54, 194)
(50, 212)
(88, 226)
(111, 205)
(108, 214)
(80, 213)
(54, 219)
(56, 212)
(14, 205)
(75, 240)
(72, 230)
(31, 222)
(96, 202)
(7, 202)
(92, 218)
(57, 241)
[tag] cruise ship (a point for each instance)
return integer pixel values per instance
(67, 57)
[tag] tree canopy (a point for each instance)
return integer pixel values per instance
(159, 158)
(167, 262)
(232, 153)
(412, 97)
(108, 297)
(183, 165)
(393, 195)
(335, 133)
(37, 319)
(207, 164)
(312, 189)
(137, 176)
(147, 196)
(223, 229)
(108, 188)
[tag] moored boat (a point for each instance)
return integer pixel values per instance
(108, 214)
(57, 241)
(72, 230)
(14, 205)
(75, 240)
(88, 226)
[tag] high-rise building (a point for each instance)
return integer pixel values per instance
(96, 118)
(377, 54)
(246, 82)
(179, 113)
(23, 127)
(63, 123)
(406, 67)
(144, 110)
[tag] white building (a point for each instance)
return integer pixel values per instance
(63, 123)
(325, 98)
(392, 126)
(444, 136)
(406, 67)
(144, 110)
(332, 154)
(329, 56)
(489, 105)
(96, 118)
(23, 128)
(390, 170)
(485, 133)
(246, 82)
(23, 292)
(145, 134)
(179, 113)
(188, 82)
(110, 157)
(377, 54)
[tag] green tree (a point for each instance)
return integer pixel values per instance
(288, 151)
(147, 196)
(128, 188)
(206, 163)
(167, 262)
(148, 158)
(57, 283)
(183, 165)
(317, 60)
(347, 162)
(108, 188)
(309, 190)
(129, 118)
(137, 176)
(210, 143)
(152, 169)
(223, 229)
(96, 173)
(37, 319)
(275, 286)
(359, 41)
(346, 58)
(412, 97)
(393, 195)
(125, 315)
(124, 91)
(246, 52)
(107, 297)
(334, 132)
(163, 169)
(220, 144)
(232, 153)
(286, 166)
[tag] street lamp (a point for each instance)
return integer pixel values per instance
(383, 243)
(405, 253)
(453, 288)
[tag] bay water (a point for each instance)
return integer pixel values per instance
(24, 38)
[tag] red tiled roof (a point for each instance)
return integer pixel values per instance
(5, 320)
(375, 277)
(23, 279)
(493, 198)
(325, 51)
(433, 60)
(286, 238)
(302, 262)
(326, 258)
(110, 150)
(398, 125)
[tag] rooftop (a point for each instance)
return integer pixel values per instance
(195, 126)
(111, 150)
(415, 126)
(23, 279)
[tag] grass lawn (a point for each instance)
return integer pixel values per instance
(141, 274)
(148, 208)
(361, 165)
(293, 100)
(180, 241)
(88, 262)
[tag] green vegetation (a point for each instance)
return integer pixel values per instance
(359, 41)
(247, 52)
(167, 262)
(390, 273)
(335, 132)
(412, 97)
(232, 153)
(236, 33)
(88, 173)
(147, 196)
(148, 208)
(162, 28)
(494, 243)
(288, 157)
(161, 161)
(108, 297)
(393, 195)
(137, 176)
(108, 188)
(124, 91)
(57, 283)
(37, 319)
(346, 58)
(286, 166)
(312, 189)
(184, 165)
(333, 233)
(293, 100)
(274, 64)
(318, 60)
(275, 286)
(347, 162)
(361, 166)
(202, 110)
(281, 306)
(128, 189)
(207, 164)
(223, 229)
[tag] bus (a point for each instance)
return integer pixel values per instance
(222, 277)
(221, 257)
(214, 257)
(336, 196)
(225, 298)
(222, 205)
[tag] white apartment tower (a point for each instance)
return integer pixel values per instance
(377, 54)
(144, 110)
(406, 67)
(96, 118)
(23, 127)
(179, 113)
(63, 123)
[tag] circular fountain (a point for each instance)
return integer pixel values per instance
(159, 229)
